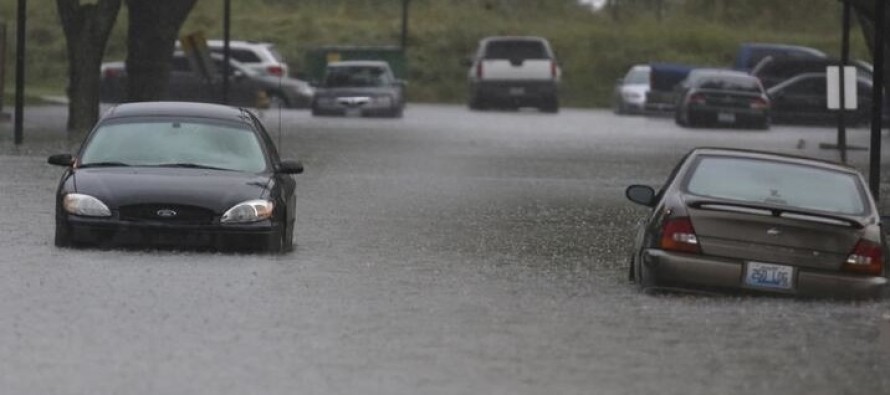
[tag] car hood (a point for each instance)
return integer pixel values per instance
(212, 189)
(368, 91)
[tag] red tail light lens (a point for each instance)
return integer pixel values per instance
(677, 234)
(275, 70)
(479, 70)
(697, 98)
(759, 104)
(867, 258)
(554, 69)
(111, 73)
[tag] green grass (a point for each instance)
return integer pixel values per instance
(594, 50)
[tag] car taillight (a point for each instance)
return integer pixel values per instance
(479, 70)
(759, 104)
(275, 70)
(867, 258)
(697, 98)
(554, 69)
(677, 234)
(111, 73)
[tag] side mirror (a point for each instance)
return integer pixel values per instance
(65, 160)
(641, 194)
(290, 167)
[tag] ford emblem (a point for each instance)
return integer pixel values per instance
(166, 213)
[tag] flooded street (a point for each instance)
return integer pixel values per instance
(449, 252)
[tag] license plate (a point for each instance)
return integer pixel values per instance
(517, 91)
(353, 112)
(726, 117)
(768, 275)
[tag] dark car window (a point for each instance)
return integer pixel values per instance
(241, 55)
(777, 183)
(520, 49)
(808, 86)
(729, 83)
(229, 146)
(356, 76)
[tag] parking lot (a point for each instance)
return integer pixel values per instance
(446, 252)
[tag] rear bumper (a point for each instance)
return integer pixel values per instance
(695, 271)
(515, 91)
(710, 114)
(112, 232)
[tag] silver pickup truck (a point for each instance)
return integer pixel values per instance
(513, 72)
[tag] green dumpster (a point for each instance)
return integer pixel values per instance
(318, 58)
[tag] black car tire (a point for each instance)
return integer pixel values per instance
(645, 281)
(63, 235)
(551, 105)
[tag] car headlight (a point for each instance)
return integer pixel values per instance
(382, 100)
(86, 205)
(249, 211)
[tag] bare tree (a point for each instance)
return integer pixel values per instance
(86, 28)
(151, 38)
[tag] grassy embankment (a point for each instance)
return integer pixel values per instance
(593, 49)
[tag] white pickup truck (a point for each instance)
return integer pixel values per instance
(514, 71)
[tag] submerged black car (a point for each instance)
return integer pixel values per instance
(722, 98)
(177, 174)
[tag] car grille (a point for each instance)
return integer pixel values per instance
(170, 213)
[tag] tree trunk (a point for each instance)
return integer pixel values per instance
(86, 28)
(154, 26)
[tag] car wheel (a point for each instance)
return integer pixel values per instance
(551, 106)
(63, 235)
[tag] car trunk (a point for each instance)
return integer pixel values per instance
(774, 236)
(729, 99)
(517, 69)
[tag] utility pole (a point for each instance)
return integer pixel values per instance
(845, 60)
(404, 24)
(877, 101)
(20, 70)
(227, 51)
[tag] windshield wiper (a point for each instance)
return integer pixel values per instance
(187, 165)
(102, 164)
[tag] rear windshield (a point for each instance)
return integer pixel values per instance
(637, 75)
(356, 77)
(520, 49)
(777, 183)
(729, 83)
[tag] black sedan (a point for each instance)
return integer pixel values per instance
(724, 98)
(177, 174)
(760, 222)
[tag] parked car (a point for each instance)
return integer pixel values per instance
(262, 57)
(513, 72)
(723, 97)
(760, 222)
(774, 70)
(663, 80)
(360, 88)
(630, 92)
(749, 54)
(803, 100)
(247, 87)
(177, 174)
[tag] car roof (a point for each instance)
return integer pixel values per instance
(774, 156)
(801, 48)
(514, 38)
(176, 109)
(360, 63)
(802, 76)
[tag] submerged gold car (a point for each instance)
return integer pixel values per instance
(761, 222)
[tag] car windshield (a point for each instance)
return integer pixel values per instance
(355, 76)
(637, 76)
(777, 183)
(175, 142)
